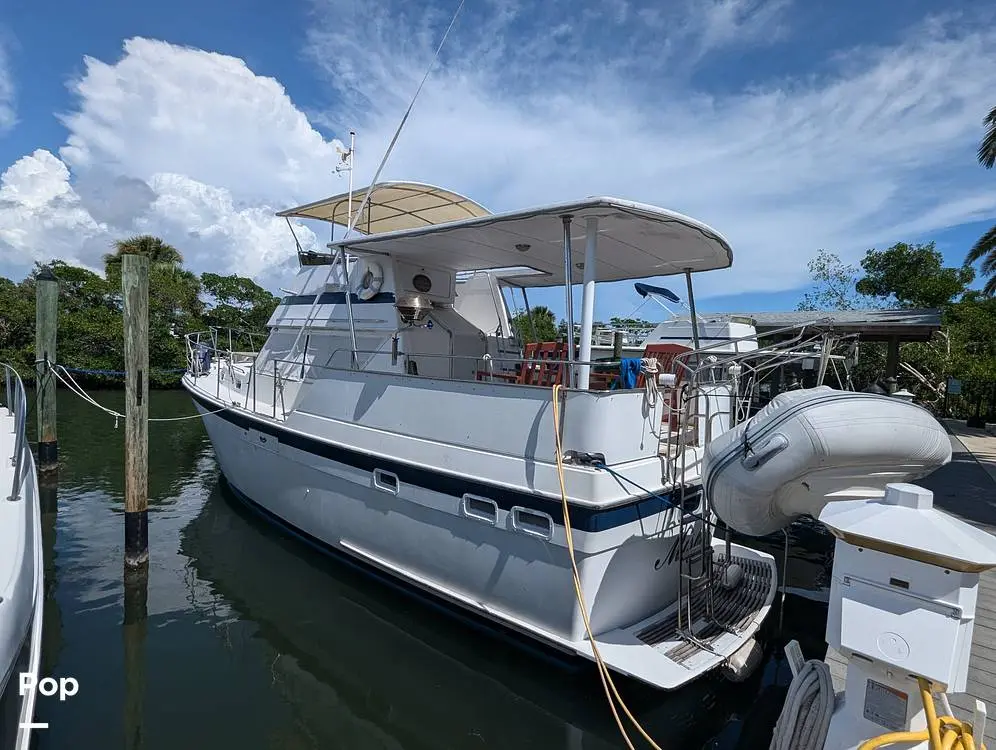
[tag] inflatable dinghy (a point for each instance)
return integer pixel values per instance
(809, 447)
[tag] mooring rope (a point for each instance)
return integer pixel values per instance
(70, 382)
(119, 373)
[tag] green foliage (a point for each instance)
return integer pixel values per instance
(237, 302)
(631, 323)
(544, 323)
(833, 285)
(90, 332)
(985, 248)
(161, 255)
(987, 149)
(17, 325)
(971, 325)
(912, 276)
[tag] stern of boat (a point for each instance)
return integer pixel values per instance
(713, 625)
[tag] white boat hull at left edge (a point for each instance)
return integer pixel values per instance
(21, 569)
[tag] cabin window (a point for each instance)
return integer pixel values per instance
(532, 522)
(480, 509)
(386, 481)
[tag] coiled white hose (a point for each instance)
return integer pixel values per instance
(805, 717)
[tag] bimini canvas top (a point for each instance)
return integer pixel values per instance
(393, 206)
(635, 241)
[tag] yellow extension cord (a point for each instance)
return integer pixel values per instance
(943, 733)
(603, 671)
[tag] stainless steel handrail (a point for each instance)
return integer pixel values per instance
(486, 360)
(17, 405)
(698, 371)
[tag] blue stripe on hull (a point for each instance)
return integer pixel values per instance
(548, 652)
(640, 507)
(338, 298)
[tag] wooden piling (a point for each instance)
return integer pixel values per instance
(46, 325)
(134, 627)
(617, 337)
(135, 292)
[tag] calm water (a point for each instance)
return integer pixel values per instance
(244, 638)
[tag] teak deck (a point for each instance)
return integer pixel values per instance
(965, 488)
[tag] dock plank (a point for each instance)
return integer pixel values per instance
(965, 488)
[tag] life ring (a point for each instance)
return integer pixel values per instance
(371, 281)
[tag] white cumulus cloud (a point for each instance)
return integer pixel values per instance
(178, 142)
(527, 104)
(165, 109)
(877, 145)
(42, 217)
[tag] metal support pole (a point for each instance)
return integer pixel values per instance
(588, 300)
(349, 307)
(569, 297)
(691, 308)
(529, 314)
(349, 199)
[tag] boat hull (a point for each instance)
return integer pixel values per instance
(21, 592)
(507, 566)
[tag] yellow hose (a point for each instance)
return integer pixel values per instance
(943, 732)
(603, 671)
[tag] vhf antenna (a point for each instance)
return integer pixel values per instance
(345, 164)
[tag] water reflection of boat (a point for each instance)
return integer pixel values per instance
(363, 666)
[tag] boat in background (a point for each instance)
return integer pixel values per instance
(731, 334)
(21, 567)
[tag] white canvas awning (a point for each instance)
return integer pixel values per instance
(635, 241)
(393, 206)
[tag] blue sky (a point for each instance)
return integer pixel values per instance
(786, 125)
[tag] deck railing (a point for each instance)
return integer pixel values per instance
(16, 402)
(703, 373)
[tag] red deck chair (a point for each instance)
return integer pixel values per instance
(665, 354)
(544, 373)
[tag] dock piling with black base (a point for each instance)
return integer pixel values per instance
(135, 292)
(46, 325)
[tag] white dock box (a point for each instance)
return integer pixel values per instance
(905, 581)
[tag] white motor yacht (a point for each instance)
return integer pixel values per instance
(391, 417)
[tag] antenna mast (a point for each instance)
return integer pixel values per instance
(346, 165)
(366, 198)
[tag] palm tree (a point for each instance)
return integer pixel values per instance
(161, 254)
(985, 248)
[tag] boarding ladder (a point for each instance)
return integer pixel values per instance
(703, 374)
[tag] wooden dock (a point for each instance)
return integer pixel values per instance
(965, 488)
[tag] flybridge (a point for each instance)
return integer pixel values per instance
(393, 206)
(626, 239)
